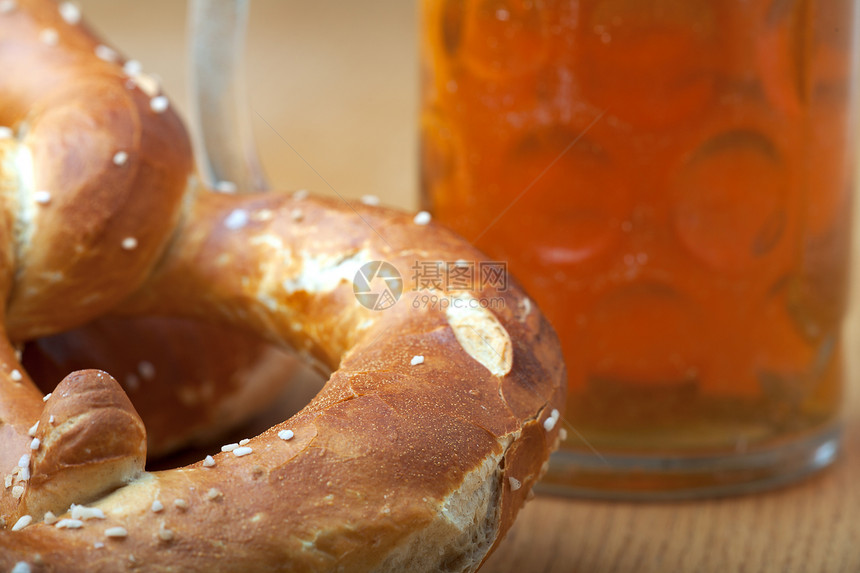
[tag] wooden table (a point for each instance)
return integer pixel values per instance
(812, 526)
(338, 81)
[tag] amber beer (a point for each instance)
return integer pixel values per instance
(671, 180)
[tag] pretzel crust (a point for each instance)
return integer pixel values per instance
(397, 464)
(191, 382)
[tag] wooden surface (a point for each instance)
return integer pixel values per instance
(338, 82)
(812, 526)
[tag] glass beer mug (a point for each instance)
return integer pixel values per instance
(671, 181)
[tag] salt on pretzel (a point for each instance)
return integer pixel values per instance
(437, 420)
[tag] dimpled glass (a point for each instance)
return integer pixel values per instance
(671, 181)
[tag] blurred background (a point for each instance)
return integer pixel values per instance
(337, 80)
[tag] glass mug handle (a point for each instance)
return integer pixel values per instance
(227, 157)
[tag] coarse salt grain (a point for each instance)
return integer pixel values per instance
(237, 219)
(263, 215)
(116, 532)
(422, 218)
(49, 518)
(6, 132)
(213, 494)
(417, 360)
(551, 421)
(70, 12)
(229, 447)
(157, 506)
(286, 435)
(147, 84)
(132, 68)
(120, 157)
(22, 522)
(180, 503)
(21, 567)
(165, 534)
(159, 104)
(106, 53)
(243, 451)
(370, 199)
(208, 462)
(244, 441)
(7, 6)
(129, 243)
(84, 513)
(34, 445)
(49, 37)
(17, 491)
(69, 524)
(33, 429)
(47, 397)
(42, 197)
(515, 483)
(24, 461)
(16, 375)
(226, 187)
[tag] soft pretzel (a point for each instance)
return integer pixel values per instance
(437, 419)
(191, 382)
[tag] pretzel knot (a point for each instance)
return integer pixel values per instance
(416, 455)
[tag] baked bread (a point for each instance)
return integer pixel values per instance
(192, 382)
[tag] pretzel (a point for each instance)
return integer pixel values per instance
(191, 382)
(439, 414)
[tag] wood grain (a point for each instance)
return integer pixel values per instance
(809, 527)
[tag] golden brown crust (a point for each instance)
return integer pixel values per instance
(416, 456)
(191, 381)
(73, 112)
(89, 441)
